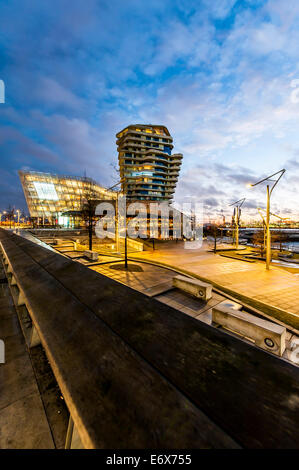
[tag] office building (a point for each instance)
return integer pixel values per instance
(148, 168)
(58, 198)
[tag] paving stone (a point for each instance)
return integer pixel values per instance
(23, 425)
(9, 326)
(16, 380)
(277, 288)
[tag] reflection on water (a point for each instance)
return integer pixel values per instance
(285, 264)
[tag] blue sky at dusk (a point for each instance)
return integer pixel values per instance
(222, 75)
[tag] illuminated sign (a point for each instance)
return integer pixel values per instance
(46, 191)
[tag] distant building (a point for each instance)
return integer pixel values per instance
(58, 198)
(147, 166)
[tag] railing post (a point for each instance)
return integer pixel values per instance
(72, 440)
(21, 298)
(69, 434)
(35, 339)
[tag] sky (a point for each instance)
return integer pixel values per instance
(222, 75)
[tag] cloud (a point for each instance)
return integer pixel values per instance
(23, 147)
(218, 74)
(52, 93)
(219, 8)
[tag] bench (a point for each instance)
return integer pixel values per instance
(197, 288)
(266, 334)
(92, 255)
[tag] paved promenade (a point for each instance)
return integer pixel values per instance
(274, 291)
(23, 422)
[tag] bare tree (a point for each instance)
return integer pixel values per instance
(116, 172)
(23, 216)
(259, 240)
(10, 213)
(89, 201)
(213, 232)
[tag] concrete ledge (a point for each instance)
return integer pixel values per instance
(198, 289)
(93, 255)
(230, 304)
(265, 334)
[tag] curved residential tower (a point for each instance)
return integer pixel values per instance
(148, 168)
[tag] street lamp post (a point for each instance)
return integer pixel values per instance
(117, 224)
(237, 205)
(122, 180)
(116, 216)
(264, 225)
(268, 232)
(269, 193)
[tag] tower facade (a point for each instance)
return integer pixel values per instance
(148, 168)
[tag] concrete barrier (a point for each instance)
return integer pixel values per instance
(92, 255)
(230, 304)
(197, 288)
(265, 334)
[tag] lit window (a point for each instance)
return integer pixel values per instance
(46, 191)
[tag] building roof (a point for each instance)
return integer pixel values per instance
(159, 126)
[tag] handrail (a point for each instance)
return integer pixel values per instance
(229, 392)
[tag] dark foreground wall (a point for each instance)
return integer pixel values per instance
(137, 373)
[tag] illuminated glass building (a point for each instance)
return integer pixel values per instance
(58, 198)
(148, 167)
